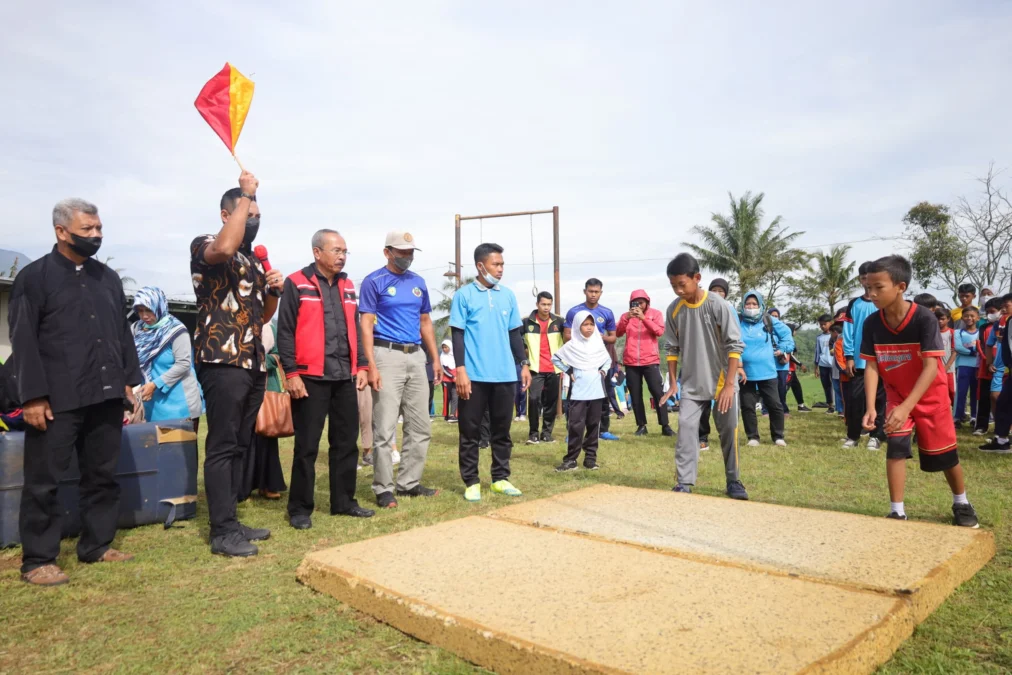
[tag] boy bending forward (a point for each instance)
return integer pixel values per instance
(902, 344)
(702, 333)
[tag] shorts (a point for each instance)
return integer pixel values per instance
(936, 440)
(997, 380)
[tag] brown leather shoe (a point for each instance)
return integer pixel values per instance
(267, 494)
(47, 575)
(112, 555)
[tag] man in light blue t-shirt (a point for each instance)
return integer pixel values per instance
(485, 328)
(394, 308)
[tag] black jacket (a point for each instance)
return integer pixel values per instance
(70, 336)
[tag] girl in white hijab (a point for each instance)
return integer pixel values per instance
(449, 368)
(586, 361)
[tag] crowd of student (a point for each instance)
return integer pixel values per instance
(366, 360)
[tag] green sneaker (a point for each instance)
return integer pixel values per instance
(504, 487)
(473, 493)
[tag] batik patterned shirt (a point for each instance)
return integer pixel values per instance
(230, 308)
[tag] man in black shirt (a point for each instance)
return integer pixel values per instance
(233, 303)
(321, 350)
(74, 364)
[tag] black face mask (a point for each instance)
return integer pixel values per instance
(252, 227)
(84, 246)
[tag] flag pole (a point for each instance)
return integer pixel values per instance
(241, 167)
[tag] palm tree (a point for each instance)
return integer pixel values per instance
(739, 246)
(833, 277)
(443, 306)
(124, 279)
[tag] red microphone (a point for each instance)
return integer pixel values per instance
(261, 253)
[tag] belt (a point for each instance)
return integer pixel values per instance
(407, 349)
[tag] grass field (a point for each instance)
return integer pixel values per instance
(178, 609)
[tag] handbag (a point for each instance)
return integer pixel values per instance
(274, 420)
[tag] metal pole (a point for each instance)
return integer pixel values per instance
(505, 215)
(555, 248)
(456, 238)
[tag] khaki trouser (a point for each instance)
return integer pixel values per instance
(365, 418)
(405, 391)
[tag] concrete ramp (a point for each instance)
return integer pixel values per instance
(603, 580)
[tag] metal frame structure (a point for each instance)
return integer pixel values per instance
(555, 243)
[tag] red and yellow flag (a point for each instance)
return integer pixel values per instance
(224, 102)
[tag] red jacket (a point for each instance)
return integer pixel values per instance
(309, 330)
(641, 336)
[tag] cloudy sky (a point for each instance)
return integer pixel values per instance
(636, 119)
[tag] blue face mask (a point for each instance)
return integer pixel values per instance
(488, 278)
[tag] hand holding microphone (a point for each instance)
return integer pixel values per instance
(275, 280)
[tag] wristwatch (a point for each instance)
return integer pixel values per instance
(525, 362)
(252, 198)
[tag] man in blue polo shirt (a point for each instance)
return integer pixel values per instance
(605, 320)
(394, 308)
(485, 328)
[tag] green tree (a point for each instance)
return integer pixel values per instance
(442, 324)
(938, 254)
(829, 280)
(751, 254)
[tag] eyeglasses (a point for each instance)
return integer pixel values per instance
(337, 251)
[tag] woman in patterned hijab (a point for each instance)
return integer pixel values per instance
(165, 354)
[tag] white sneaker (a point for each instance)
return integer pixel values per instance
(395, 457)
(518, 419)
(780, 442)
(874, 444)
(979, 432)
(753, 443)
(849, 443)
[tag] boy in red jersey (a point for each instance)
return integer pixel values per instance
(903, 346)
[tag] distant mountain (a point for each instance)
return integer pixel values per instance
(7, 260)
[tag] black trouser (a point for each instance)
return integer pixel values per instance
(858, 407)
(983, 404)
(1003, 410)
(543, 401)
(769, 391)
(262, 468)
(704, 423)
(495, 398)
(584, 427)
(634, 376)
(795, 384)
(232, 396)
(826, 375)
(336, 403)
(609, 392)
(95, 433)
(432, 397)
(449, 400)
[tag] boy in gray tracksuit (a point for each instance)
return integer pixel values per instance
(704, 335)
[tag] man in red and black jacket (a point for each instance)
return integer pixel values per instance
(321, 351)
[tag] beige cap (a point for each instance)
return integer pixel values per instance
(402, 241)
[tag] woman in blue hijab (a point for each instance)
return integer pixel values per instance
(165, 353)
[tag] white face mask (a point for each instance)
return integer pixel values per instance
(993, 316)
(751, 312)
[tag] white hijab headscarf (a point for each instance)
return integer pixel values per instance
(446, 360)
(584, 353)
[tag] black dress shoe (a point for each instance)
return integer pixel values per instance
(233, 545)
(385, 500)
(667, 431)
(418, 491)
(357, 512)
(301, 522)
(641, 431)
(254, 533)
